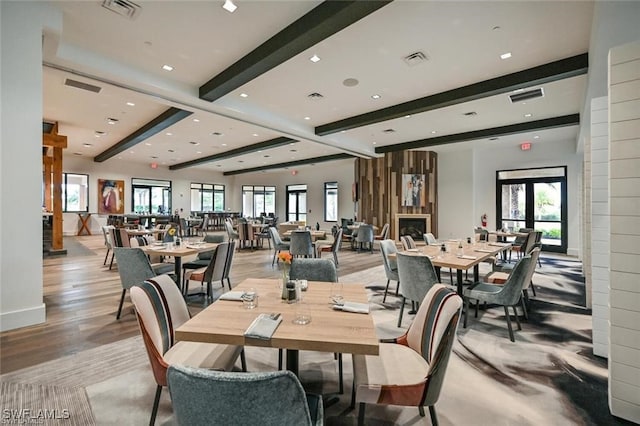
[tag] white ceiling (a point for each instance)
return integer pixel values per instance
(462, 40)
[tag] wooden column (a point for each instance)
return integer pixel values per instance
(58, 143)
(46, 181)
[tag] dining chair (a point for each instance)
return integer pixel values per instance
(408, 243)
(133, 267)
(278, 244)
(334, 248)
(365, 236)
(416, 276)
(518, 244)
(410, 370)
(271, 398)
(214, 271)
(388, 247)
(161, 309)
(202, 259)
(430, 240)
(505, 295)
(384, 233)
(231, 233)
(229, 262)
(107, 232)
(156, 261)
(301, 244)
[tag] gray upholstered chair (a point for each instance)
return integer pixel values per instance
(159, 267)
(505, 295)
(388, 247)
(231, 233)
(214, 271)
(410, 369)
(278, 244)
(134, 268)
(365, 236)
(417, 275)
(227, 266)
(313, 270)
(334, 248)
(301, 244)
(430, 239)
(159, 338)
(384, 233)
(408, 243)
(272, 398)
(202, 259)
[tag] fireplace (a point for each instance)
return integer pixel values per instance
(412, 224)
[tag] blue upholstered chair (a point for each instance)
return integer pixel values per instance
(301, 244)
(417, 275)
(161, 309)
(278, 244)
(388, 247)
(410, 369)
(214, 271)
(365, 237)
(206, 397)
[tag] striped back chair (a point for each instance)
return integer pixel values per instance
(422, 353)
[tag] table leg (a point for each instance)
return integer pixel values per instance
(292, 360)
(178, 271)
(476, 273)
(459, 280)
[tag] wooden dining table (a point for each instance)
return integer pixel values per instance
(474, 254)
(315, 235)
(178, 252)
(330, 330)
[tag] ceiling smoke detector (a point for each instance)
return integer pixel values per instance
(125, 8)
(315, 96)
(415, 59)
(524, 96)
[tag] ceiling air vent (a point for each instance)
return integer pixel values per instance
(415, 59)
(125, 8)
(524, 96)
(80, 85)
(388, 131)
(315, 96)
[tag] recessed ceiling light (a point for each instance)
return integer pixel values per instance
(169, 134)
(77, 153)
(171, 150)
(86, 145)
(194, 143)
(255, 134)
(307, 118)
(132, 152)
(195, 120)
(216, 134)
(147, 144)
(470, 113)
(292, 143)
(131, 104)
(505, 55)
(314, 58)
(198, 152)
(433, 132)
(374, 143)
(375, 96)
(493, 139)
(536, 137)
(528, 115)
(99, 133)
(154, 157)
(240, 161)
(388, 131)
(293, 150)
(224, 144)
(112, 120)
(229, 6)
(407, 116)
(267, 156)
(243, 95)
(167, 67)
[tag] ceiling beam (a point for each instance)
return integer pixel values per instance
(272, 143)
(158, 124)
(553, 71)
(320, 23)
(547, 123)
(314, 160)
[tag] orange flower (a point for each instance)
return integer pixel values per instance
(172, 231)
(285, 256)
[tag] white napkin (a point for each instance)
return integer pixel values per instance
(484, 250)
(356, 307)
(413, 250)
(263, 327)
(466, 256)
(236, 296)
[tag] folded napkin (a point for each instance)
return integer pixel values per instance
(499, 244)
(358, 308)
(263, 326)
(232, 295)
(468, 257)
(484, 250)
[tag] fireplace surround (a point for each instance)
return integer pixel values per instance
(411, 224)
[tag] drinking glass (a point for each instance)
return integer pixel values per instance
(336, 293)
(250, 298)
(302, 314)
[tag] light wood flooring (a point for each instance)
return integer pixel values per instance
(81, 297)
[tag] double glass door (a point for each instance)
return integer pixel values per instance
(535, 199)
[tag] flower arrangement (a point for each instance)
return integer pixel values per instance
(172, 231)
(285, 257)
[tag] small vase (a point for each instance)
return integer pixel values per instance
(285, 280)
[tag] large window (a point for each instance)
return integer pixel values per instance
(331, 201)
(536, 199)
(297, 202)
(258, 200)
(75, 192)
(206, 197)
(151, 196)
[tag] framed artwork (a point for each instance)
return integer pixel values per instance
(110, 196)
(413, 191)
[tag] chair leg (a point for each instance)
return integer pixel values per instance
(106, 256)
(524, 299)
(384, 298)
(397, 288)
(421, 410)
(432, 413)
(361, 414)
(352, 405)
(121, 302)
(533, 288)
(335, 258)
(466, 312)
(243, 361)
(280, 359)
(477, 304)
(508, 317)
(156, 402)
(111, 263)
(275, 253)
(515, 313)
(401, 311)
(340, 379)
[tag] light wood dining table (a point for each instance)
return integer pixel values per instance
(330, 330)
(315, 235)
(178, 252)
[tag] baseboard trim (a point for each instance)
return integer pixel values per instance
(23, 318)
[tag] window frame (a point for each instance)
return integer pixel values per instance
(144, 183)
(296, 189)
(255, 190)
(328, 188)
(215, 189)
(65, 176)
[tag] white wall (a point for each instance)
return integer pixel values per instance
(22, 23)
(456, 217)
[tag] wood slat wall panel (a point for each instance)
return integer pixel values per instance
(379, 183)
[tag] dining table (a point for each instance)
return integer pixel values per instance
(330, 330)
(315, 235)
(178, 252)
(472, 255)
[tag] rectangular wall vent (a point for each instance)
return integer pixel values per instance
(529, 94)
(125, 8)
(80, 85)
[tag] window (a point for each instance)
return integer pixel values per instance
(75, 192)
(258, 200)
(331, 201)
(151, 196)
(536, 199)
(206, 197)
(297, 202)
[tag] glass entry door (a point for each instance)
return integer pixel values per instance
(535, 199)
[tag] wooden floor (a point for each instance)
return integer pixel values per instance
(81, 297)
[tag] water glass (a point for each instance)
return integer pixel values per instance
(302, 314)
(336, 293)
(250, 299)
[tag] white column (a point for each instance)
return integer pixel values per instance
(624, 186)
(21, 301)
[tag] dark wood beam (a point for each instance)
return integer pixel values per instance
(314, 160)
(553, 71)
(158, 124)
(272, 143)
(323, 21)
(547, 123)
